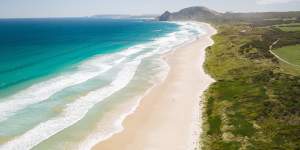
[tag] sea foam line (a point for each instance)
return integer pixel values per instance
(117, 126)
(42, 91)
(73, 113)
(165, 44)
(49, 128)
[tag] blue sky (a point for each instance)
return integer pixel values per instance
(71, 8)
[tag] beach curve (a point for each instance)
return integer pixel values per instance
(168, 116)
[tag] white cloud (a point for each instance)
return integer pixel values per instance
(265, 2)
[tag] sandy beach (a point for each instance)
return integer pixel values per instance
(168, 116)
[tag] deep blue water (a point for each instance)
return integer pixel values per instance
(31, 49)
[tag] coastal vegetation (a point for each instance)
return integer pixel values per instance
(254, 103)
(290, 54)
(289, 27)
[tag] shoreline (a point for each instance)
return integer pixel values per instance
(163, 117)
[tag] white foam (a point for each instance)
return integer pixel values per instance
(77, 110)
(44, 90)
(163, 45)
(187, 32)
(117, 127)
(133, 50)
(74, 112)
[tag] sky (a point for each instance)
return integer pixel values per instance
(79, 8)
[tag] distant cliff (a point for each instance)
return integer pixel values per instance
(191, 13)
(206, 14)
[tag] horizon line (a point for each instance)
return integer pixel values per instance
(136, 15)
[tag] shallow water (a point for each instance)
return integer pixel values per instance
(69, 83)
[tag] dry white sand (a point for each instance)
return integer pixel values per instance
(168, 117)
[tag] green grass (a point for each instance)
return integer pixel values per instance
(290, 54)
(254, 103)
(214, 124)
(242, 127)
(293, 27)
(290, 29)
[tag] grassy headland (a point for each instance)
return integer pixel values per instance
(255, 101)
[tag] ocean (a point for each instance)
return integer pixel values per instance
(68, 83)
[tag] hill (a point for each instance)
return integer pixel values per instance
(206, 14)
(191, 13)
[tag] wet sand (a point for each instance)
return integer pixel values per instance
(168, 117)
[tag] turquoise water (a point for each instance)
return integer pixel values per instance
(69, 83)
(52, 45)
